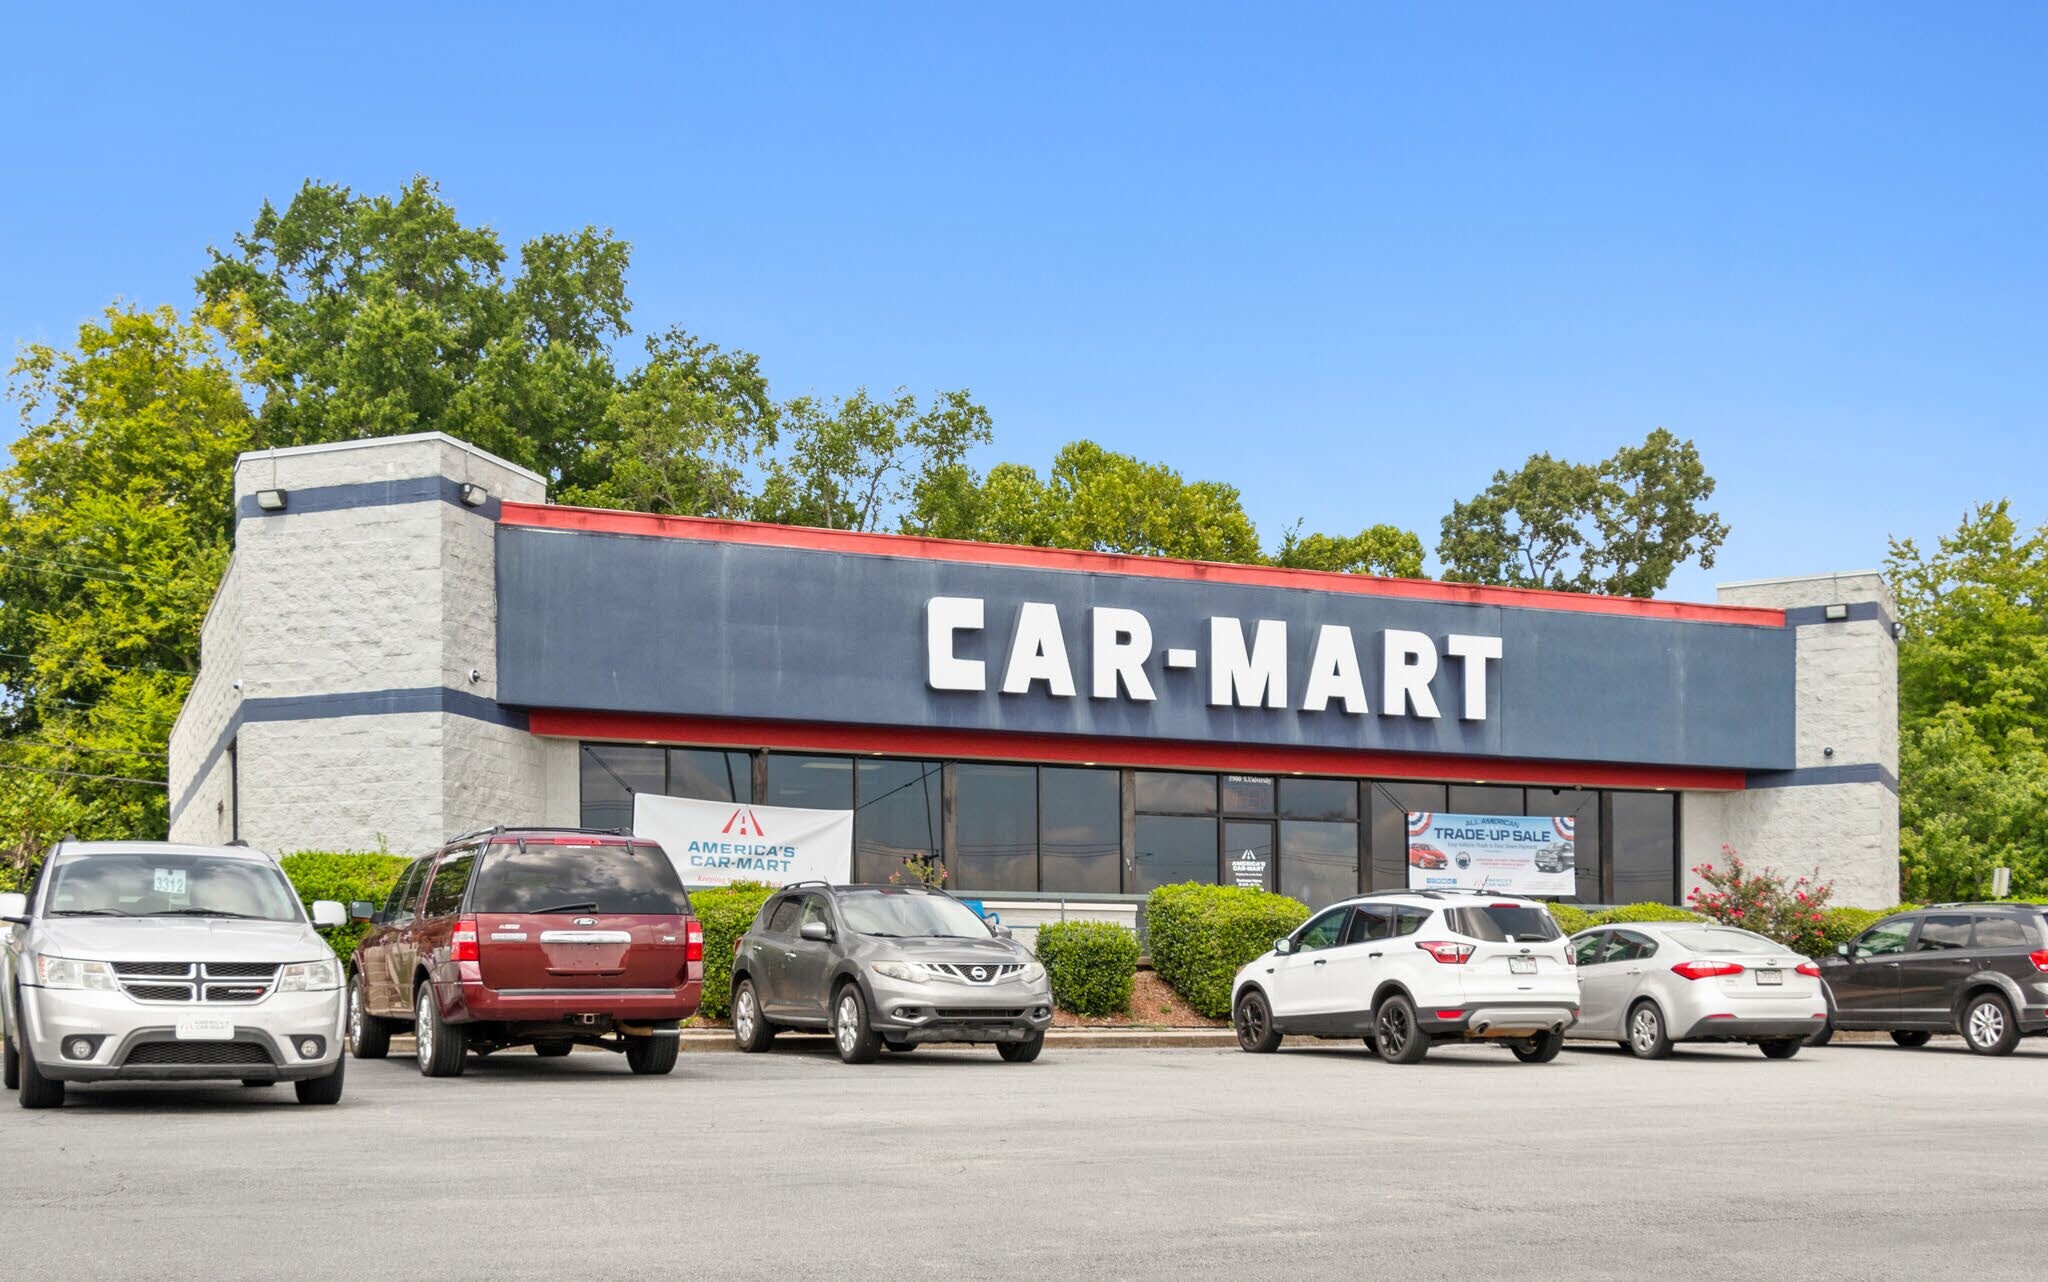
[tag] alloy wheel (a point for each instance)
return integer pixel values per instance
(743, 1016)
(1987, 1024)
(355, 1015)
(846, 1032)
(423, 1030)
(1394, 1029)
(1643, 1030)
(1251, 1021)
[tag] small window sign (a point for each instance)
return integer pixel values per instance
(170, 881)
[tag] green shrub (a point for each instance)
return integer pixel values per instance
(724, 912)
(1199, 936)
(345, 876)
(1642, 912)
(1570, 918)
(1092, 965)
(1840, 925)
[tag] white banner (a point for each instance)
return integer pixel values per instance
(716, 843)
(1517, 854)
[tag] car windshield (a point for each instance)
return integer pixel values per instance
(157, 884)
(906, 914)
(597, 877)
(1504, 923)
(1721, 940)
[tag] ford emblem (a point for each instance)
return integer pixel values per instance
(586, 921)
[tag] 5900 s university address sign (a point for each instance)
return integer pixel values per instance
(699, 627)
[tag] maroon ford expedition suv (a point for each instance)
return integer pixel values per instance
(529, 936)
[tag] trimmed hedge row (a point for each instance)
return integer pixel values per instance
(1092, 965)
(725, 912)
(1200, 936)
(345, 876)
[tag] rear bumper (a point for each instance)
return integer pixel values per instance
(1485, 1020)
(1749, 1029)
(477, 1003)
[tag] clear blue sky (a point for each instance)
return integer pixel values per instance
(1350, 260)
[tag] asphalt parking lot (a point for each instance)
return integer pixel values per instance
(1320, 1161)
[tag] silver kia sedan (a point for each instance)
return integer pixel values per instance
(1647, 985)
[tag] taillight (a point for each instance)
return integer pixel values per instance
(462, 944)
(1808, 968)
(2040, 958)
(1704, 970)
(1571, 955)
(1448, 953)
(693, 942)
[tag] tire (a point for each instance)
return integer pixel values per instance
(852, 1034)
(1540, 1049)
(1780, 1047)
(1021, 1052)
(1253, 1020)
(1911, 1038)
(898, 1046)
(35, 1090)
(10, 1066)
(1647, 1037)
(439, 1047)
(1401, 1039)
(369, 1037)
(552, 1050)
(322, 1090)
(652, 1056)
(751, 1031)
(1988, 1025)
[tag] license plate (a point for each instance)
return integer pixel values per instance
(1521, 965)
(1770, 977)
(206, 1028)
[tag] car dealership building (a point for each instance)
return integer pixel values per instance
(411, 642)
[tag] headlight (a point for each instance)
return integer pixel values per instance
(308, 977)
(904, 971)
(1031, 974)
(68, 972)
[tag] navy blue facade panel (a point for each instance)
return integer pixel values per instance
(622, 623)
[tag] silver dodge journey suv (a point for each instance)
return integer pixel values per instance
(144, 960)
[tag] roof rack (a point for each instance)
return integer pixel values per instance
(808, 881)
(495, 829)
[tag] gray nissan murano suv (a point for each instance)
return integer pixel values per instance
(893, 966)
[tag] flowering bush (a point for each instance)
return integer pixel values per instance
(1793, 913)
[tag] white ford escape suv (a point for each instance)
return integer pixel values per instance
(144, 960)
(1406, 969)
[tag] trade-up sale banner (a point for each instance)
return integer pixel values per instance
(1523, 855)
(715, 843)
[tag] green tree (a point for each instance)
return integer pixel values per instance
(854, 464)
(1377, 549)
(1617, 527)
(381, 315)
(117, 525)
(1973, 706)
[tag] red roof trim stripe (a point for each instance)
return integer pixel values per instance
(997, 745)
(603, 521)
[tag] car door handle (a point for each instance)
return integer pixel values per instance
(1322, 961)
(791, 956)
(1372, 954)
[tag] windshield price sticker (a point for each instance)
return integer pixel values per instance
(170, 881)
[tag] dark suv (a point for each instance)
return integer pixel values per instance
(529, 936)
(1976, 969)
(892, 966)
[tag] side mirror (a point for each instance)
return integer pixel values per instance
(1841, 950)
(815, 931)
(326, 912)
(14, 907)
(1283, 945)
(999, 930)
(362, 910)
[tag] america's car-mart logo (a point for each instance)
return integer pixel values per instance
(744, 823)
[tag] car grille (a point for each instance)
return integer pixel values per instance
(187, 981)
(961, 1012)
(201, 1053)
(972, 973)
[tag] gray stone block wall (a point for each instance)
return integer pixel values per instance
(1847, 688)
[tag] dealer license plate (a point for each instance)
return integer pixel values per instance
(206, 1028)
(1521, 965)
(1770, 977)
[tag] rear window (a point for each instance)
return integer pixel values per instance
(1504, 924)
(607, 877)
(1723, 941)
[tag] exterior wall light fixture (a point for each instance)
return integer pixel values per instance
(271, 500)
(1836, 613)
(473, 495)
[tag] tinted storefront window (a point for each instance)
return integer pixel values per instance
(1318, 861)
(613, 774)
(1583, 807)
(1176, 794)
(707, 774)
(1173, 848)
(899, 817)
(1319, 799)
(996, 825)
(813, 783)
(1644, 842)
(1248, 794)
(1388, 804)
(1080, 848)
(1484, 799)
